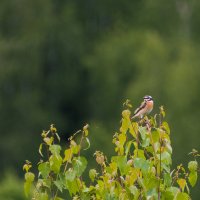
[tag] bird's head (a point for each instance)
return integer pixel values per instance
(148, 98)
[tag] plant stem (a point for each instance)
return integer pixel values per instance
(159, 171)
(160, 140)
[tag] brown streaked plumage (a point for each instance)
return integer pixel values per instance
(145, 108)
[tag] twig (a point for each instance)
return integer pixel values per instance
(159, 172)
(160, 140)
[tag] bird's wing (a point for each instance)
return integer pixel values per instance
(143, 104)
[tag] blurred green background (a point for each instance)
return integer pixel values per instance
(74, 61)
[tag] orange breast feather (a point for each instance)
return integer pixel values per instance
(149, 105)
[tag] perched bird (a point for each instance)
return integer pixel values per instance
(145, 108)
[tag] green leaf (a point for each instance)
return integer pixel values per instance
(85, 129)
(128, 146)
(162, 111)
(59, 184)
(53, 128)
(155, 136)
(168, 147)
(133, 189)
(87, 190)
(44, 183)
(72, 186)
(44, 169)
(192, 178)
(79, 164)
(143, 132)
(150, 181)
(167, 195)
(68, 155)
(55, 149)
(132, 176)
(100, 185)
(48, 140)
(76, 149)
(141, 182)
(29, 177)
(167, 179)
(121, 162)
(142, 164)
(150, 149)
(133, 128)
(156, 146)
(172, 191)
(126, 114)
(27, 188)
(165, 158)
(122, 140)
(182, 196)
(112, 168)
(55, 163)
(70, 175)
(192, 166)
(40, 149)
(152, 194)
(125, 125)
(92, 174)
(27, 166)
(166, 127)
(146, 142)
(187, 188)
(139, 153)
(181, 182)
(43, 196)
(88, 143)
(145, 136)
(165, 167)
(58, 137)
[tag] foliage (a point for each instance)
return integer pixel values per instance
(55, 53)
(141, 168)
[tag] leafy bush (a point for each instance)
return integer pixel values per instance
(141, 168)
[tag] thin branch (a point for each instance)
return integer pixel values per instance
(160, 140)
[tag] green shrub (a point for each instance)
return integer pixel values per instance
(141, 168)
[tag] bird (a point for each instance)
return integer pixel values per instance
(145, 108)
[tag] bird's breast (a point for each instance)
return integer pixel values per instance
(149, 105)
